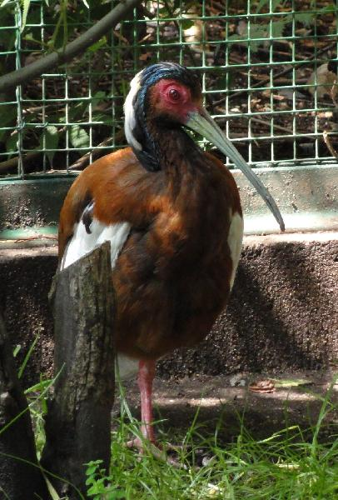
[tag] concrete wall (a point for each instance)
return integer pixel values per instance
(283, 313)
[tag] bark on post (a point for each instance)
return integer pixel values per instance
(20, 476)
(78, 420)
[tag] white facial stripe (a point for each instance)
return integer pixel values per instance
(235, 238)
(83, 243)
(130, 120)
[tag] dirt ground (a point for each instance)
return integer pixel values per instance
(223, 401)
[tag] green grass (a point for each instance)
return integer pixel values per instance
(290, 464)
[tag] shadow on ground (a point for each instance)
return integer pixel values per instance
(224, 404)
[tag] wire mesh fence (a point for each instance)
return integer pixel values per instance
(268, 71)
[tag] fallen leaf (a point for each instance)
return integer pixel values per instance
(145, 57)
(333, 93)
(262, 386)
(322, 81)
(290, 382)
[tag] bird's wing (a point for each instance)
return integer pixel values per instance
(104, 203)
(84, 241)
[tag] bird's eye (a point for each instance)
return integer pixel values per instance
(174, 94)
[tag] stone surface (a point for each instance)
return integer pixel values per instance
(25, 280)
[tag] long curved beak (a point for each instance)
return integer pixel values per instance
(202, 123)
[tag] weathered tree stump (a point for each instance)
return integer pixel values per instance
(79, 415)
(20, 476)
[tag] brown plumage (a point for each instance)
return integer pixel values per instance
(172, 277)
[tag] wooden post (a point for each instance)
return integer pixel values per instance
(20, 475)
(79, 415)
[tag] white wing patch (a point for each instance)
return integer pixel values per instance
(83, 243)
(235, 238)
(129, 113)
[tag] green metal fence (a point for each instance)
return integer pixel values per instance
(263, 66)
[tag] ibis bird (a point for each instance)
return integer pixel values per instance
(173, 215)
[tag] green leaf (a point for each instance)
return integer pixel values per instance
(262, 3)
(290, 382)
(117, 494)
(7, 115)
(278, 28)
(3, 135)
(16, 350)
(104, 119)
(50, 141)
(25, 4)
(4, 2)
(305, 18)
(328, 9)
(90, 471)
(40, 386)
(53, 493)
(258, 31)
(12, 143)
(78, 137)
(27, 357)
(98, 45)
(186, 23)
(99, 96)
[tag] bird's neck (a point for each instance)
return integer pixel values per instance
(168, 149)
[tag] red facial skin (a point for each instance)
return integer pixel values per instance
(174, 99)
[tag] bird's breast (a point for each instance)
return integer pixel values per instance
(174, 277)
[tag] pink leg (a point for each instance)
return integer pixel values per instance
(146, 373)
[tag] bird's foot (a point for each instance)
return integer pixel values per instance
(157, 451)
